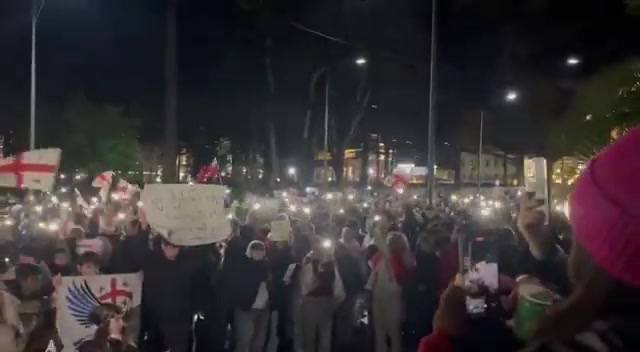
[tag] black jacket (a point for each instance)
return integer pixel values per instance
(168, 286)
(245, 288)
(350, 269)
(279, 261)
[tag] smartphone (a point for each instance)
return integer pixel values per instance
(481, 277)
(535, 182)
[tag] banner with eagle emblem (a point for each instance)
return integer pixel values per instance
(78, 297)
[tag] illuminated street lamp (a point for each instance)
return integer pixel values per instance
(291, 171)
(512, 95)
(573, 61)
(360, 61)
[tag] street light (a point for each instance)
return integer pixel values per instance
(324, 70)
(291, 171)
(573, 61)
(35, 13)
(510, 97)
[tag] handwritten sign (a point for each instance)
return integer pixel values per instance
(280, 230)
(187, 215)
(263, 209)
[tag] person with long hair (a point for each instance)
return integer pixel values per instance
(391, 269)
(110, 335)
(601, 312)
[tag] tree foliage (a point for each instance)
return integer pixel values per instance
(97, 137)
(605, 106)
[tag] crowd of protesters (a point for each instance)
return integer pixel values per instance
(384, 279)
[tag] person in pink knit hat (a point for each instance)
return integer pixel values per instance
(602, 314)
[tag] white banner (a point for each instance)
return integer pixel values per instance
(35, 169)
(77, 297)
(187, 215)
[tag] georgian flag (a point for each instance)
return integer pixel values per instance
(208, 172)
(124, 190)
(103, 181)
(35, 169)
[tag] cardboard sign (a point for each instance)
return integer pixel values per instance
(263, 210)
(280, 230)
(187, 215)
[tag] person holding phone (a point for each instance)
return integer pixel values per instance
(600, 314)
(322, 292)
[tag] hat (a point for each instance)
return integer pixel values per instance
(605, 209)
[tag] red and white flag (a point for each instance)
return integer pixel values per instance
(103, 180)
(209, 172)
(35, 169)
(125, 190)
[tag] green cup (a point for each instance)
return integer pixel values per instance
(533, 301)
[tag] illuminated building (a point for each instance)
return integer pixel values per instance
(494, 163)
(379, 161)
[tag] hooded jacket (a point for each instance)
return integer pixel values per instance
(251, 273)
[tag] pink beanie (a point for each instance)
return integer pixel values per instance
(605, 209)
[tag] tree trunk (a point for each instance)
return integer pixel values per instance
(505, 171)
(169, 172)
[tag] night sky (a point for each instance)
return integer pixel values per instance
(112, 51)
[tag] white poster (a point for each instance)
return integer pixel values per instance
(77, 297)
(188, 215)
(280, 230)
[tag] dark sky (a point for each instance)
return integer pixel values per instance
(112, 50)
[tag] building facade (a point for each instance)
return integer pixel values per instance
(492, 168)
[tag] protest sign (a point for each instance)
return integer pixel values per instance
(264, 204)
(10, 310)
(187, 215)
(78, 298)
(263, 209)
(280, 230)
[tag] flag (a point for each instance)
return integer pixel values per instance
(103, 180)
(35, 169)
(208, 172)
(78, 296)
(82, 204)
(125, 191)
